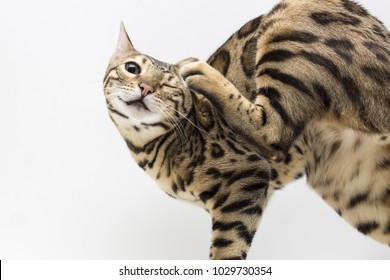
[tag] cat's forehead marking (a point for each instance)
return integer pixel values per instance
(159, 64)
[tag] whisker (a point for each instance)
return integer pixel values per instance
(173, 119)
(167, 106)
(179, 128)
(121, 89)
(180, 133)
(194, 125)
(115, 95)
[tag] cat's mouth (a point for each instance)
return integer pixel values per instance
(138, 103)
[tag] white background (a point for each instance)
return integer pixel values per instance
(68, 186)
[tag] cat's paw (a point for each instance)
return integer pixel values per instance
(200, 77)
(194, 68)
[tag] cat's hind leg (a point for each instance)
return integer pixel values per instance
(235, 222)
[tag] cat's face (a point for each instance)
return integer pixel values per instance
(142, 93)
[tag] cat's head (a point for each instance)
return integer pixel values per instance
(143, 94)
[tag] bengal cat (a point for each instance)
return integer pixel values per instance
(302, 90)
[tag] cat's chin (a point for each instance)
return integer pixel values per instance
(135, 115)
(138, 112)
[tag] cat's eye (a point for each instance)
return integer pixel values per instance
(132, 68)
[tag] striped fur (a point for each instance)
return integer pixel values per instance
(303, 90)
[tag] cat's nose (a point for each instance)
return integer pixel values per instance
(146, 89)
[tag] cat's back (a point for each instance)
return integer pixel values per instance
(333, 38)
(342, 31)
(334, 50)
(327, 18)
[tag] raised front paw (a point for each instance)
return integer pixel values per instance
(203, 79)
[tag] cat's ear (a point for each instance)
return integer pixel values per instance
(124, 44)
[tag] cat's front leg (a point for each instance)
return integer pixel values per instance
(246, 118)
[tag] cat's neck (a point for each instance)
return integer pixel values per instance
(142, 141)
(139, 137)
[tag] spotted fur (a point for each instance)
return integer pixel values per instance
(303, 90)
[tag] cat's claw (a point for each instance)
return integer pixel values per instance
(185, 61)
